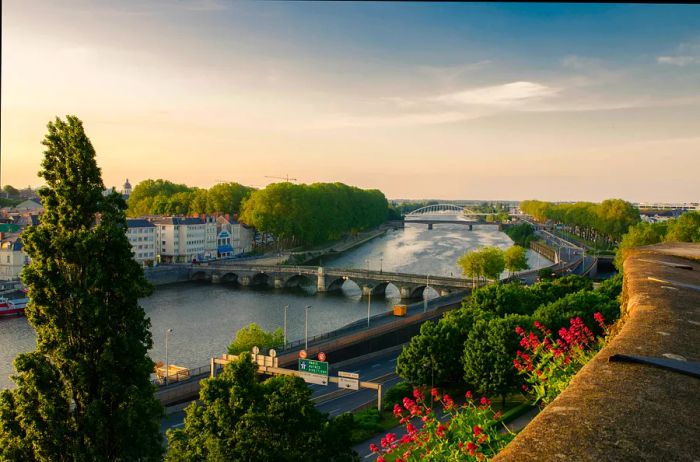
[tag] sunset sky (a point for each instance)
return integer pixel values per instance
(454, 101)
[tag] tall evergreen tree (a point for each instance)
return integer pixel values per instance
(84, 394)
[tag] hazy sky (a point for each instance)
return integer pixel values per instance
(457, 101)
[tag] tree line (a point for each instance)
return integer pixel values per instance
(314, 213)
(685, 228)
(608, 220)
(163, 197)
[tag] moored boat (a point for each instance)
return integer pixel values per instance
(12, 306)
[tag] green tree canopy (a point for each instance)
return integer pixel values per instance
(485, 262)
(515, 259)
(253, 335)
(84, 394)
(242, 419)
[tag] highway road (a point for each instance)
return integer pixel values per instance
(330, 399)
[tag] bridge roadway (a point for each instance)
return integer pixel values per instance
(326, 279)
(436, 221)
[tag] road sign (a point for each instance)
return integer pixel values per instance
(322, 356)
(302, 354)
(313, 367)
(349, 375)
(348, 383)
(314, 378)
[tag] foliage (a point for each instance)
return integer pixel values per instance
(489, 352)
(502, 299)
(545, 273)
(253, 335)
(162, 197)
(369, 422)
(84, 394)
(242, 419)
(433, 357)
(583, 304)
(522, 234)
(685, 228)
(11, 191)
(314, 213)
(611, 288)
(485, 262)
(396, 394)
(553, 289)
(611, 218)
(515, 259)
(469, 434)
(548, 365)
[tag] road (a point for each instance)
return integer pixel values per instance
(330, 399)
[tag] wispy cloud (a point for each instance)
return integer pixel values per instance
(508, 94)
(388, 121)
(686, 54)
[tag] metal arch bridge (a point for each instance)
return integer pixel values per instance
(442, 209)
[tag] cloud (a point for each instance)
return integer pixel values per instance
(387, 121)
(686, 53)
(508, 94)
(677, 60)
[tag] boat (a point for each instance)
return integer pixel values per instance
(12, 306)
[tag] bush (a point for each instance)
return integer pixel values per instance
(396, 394)
(581, 304)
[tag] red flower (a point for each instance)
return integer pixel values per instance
(477, 430)
(519, 330)
(373, 447)
(434, 392)
(469, 395)
(410, 428)
(397, 410)
(417, 394)
(380, 459)
(471, 447)
(440, 431)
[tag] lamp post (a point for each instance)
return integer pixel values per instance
(381, 261)
(167, 364)
(369, 302)
(425, 293)
(285, 324)
(306, 327)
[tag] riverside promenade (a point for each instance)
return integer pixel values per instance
(639, 397)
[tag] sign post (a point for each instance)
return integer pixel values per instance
(313, 371)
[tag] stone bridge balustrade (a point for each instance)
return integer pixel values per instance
(325, 279)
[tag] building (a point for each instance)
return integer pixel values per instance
(142, 237)
(12, 257)
(126, 189)
(30, 205)
(211, 238)
(180, 240)
(234, 238)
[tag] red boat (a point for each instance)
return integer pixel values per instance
(13, 306)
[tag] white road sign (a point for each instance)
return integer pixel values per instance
(314, 378)
(348, 384)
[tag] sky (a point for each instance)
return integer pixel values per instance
(419, 100)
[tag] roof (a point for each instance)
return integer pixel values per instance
(139, 223)
(178, 221)
(12, 243)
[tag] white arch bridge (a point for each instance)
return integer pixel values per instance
(326, 279)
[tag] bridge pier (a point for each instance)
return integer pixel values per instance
(405, 292)
(245, 281)
(278, 283)
(216, 278)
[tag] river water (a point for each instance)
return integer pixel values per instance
(205, 317)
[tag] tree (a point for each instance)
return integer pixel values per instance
(226, 198)
(639, 235)
(489, 352)
(242, 419)
(484, 262)
(515, 259)
(685, 228)
(11, 191)
(253, 335)
(85, 393)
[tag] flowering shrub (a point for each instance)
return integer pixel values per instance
(467, 433)
(548, 365)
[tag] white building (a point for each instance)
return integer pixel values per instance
(234, 238)
(180, 240)
(12, 258)
(142, 237)
(210, 239)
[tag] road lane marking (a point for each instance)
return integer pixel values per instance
(178, 425)
(376, 365)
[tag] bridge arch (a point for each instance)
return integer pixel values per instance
(433, 209)
(229, 278)
(259, 279)
(199, 276)
(299, 280)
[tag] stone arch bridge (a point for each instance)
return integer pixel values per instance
(326, 279)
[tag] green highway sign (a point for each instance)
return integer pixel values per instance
(313, 367)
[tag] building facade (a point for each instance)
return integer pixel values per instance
(142, 237)
(12, 258)
(180, 240)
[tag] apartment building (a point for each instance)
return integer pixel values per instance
(142, 237)
(12, 257)
(179, 239)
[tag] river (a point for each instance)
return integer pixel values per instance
(205, 317)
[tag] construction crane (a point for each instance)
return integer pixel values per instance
(285, 178)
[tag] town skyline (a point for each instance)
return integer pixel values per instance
(419, 101)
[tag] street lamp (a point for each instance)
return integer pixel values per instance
(306, 327)
(369, 302)
(167, 364)
(381, 261)
(425, 293)
(285, 324)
